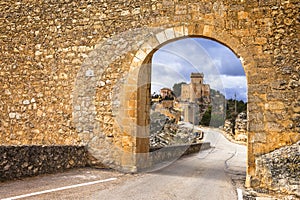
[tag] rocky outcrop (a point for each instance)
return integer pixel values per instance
(240, 128)
(237, 131)
(228, 127)
(164, 132)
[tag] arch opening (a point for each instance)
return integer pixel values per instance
(201, 104)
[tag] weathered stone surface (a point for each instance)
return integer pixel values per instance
(280, 170)
(171, 153)
(22, 161)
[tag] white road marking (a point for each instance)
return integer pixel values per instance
(59, 189)
(240, 194)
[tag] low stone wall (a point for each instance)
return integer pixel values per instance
(172, 152)
(22, 161)
(279, 170)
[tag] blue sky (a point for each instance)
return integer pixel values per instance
(174, 62)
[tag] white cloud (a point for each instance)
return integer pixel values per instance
(174, 62)
(230, 85)
(234, 81)
(165, 76)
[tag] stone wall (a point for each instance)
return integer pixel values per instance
(172, 153)
(70, 70)
(22, 161)
(280, 170)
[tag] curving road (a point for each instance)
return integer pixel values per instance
(202, 176)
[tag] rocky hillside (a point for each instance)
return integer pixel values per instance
(165, 132)
(238, 130)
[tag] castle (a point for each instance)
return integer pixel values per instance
(192, 95)
(196, 91)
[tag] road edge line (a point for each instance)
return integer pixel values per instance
(240, 194)
(59, 189)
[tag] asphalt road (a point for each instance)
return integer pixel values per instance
(207, 175)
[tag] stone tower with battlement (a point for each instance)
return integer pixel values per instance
(196, 90)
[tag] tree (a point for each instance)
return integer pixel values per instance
(230, 108)
(177, 88)
(215, 114)
(205, 121)
(231, 114)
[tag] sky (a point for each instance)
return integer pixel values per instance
(223, 71)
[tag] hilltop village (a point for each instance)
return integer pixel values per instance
(169, 110)
(186, 106)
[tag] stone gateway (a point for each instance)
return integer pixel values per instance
(77, 73)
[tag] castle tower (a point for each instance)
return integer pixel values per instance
(196, 90)
(196, 86)
(197, 78)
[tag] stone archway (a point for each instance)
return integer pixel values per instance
(114, 125)
(141, 62)
(119, 138)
